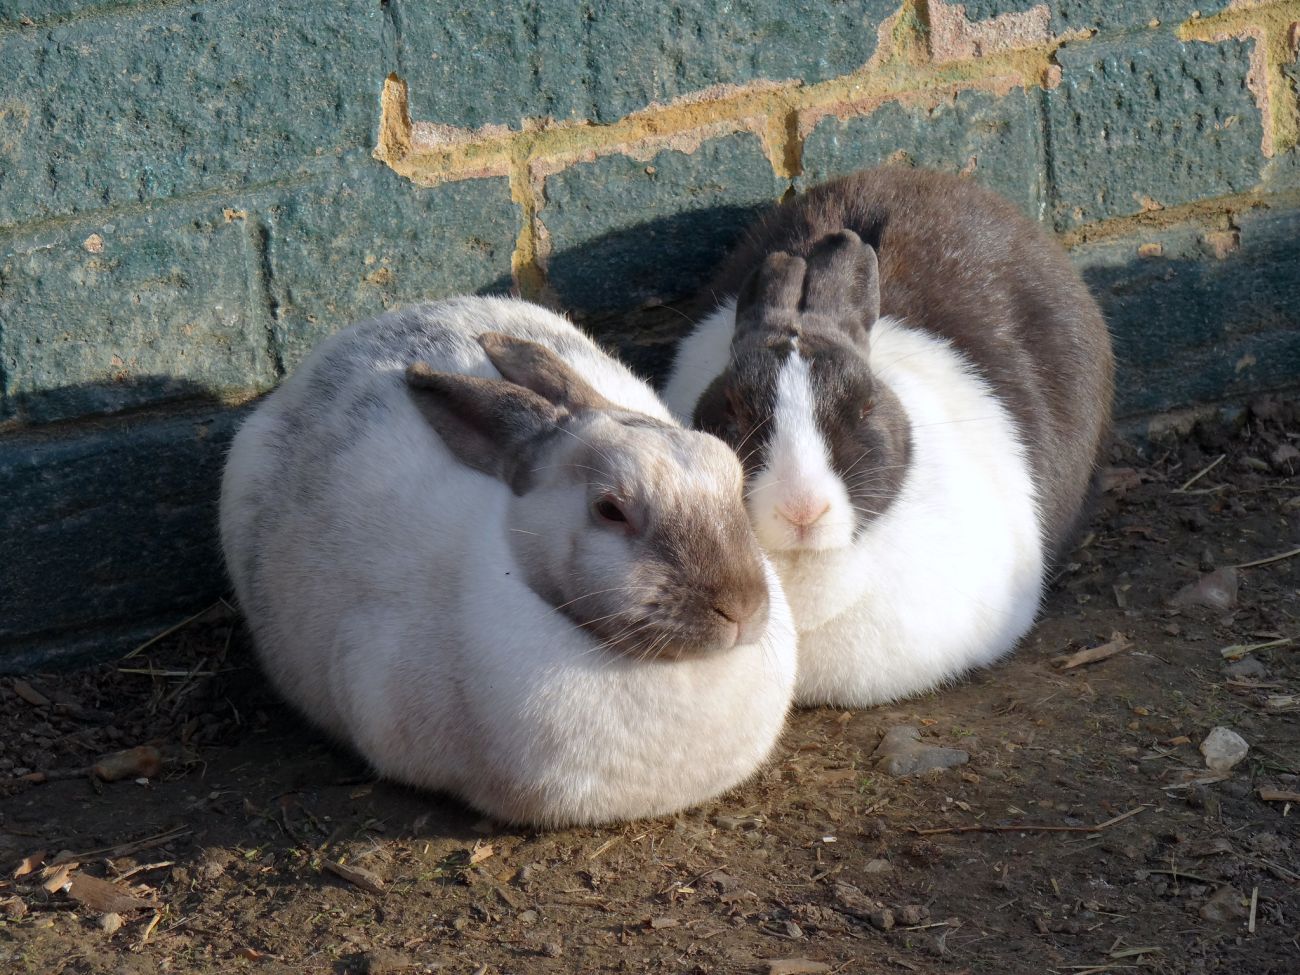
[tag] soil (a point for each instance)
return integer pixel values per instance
(1084, 835)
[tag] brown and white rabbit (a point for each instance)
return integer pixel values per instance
(919, 386)
(478, 549)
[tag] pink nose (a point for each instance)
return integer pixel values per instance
(803, 513)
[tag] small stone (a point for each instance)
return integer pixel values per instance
(1223, 748)
(94, 244)
(1224, 907)
(881, 919)
(877, 866)
(901, 753)
(1267, 843)
(913, 914)
(385, 961)
(1285, 458)
(553, 949)
(1215, 590)
(1207, 562)
(1248, 668)
(1151, 249)
(528, 917)
(110, 923)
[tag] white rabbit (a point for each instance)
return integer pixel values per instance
(913, 473)
(538, 593)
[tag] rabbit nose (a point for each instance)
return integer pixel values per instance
(803, 513)
(747, 613)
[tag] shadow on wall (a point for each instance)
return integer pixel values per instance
(110, 527)
(1213, 316)
(109, 535)
(636, 289)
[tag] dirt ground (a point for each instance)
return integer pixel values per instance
(1084, 835)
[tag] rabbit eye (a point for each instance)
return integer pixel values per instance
(608, 510)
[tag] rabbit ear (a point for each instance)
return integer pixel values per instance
(843, 282)
(536, 367)
(487, 423)
(769, 298)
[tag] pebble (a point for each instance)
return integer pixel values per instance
(382, 961)
(877, 866)
(1223, 748)
(1215, 590)
(1251, 668)
(1224, 907)
(901, 753)
(913, 914)
(882, 919)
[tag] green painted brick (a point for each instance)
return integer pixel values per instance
(106, 531)
(1191, 327)
(499, 61)
(1149, 117)
(998, 140)
(102, 316)
(346, 248)
(626, 232)
(159, 101)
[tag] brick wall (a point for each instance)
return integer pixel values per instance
(193, 193)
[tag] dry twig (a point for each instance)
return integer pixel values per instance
(1030, 828)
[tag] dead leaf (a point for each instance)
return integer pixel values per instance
(358, 876)
(143, 762)
(30, 694)
(104, 897)
(31, 863)
(56, 877)
(1119, 480)
(1117, 643)
(1282, 702)
(796, 966)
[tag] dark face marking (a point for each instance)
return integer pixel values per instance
(862, 424)
(822, 309)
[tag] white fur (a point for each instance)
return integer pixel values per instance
(701, 356)
(388, 607)
(797, 501)
(951, 575)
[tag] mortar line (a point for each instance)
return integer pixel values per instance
(1203, 210)
(874, 85)
(265, 277)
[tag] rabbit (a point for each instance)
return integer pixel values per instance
(478, 549)
(919, 385)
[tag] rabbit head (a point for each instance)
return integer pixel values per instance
(825, 445)
(633, 528)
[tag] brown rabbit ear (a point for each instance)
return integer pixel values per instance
(843, 282)
(536, 367)
(488, 424)
(769, 298)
